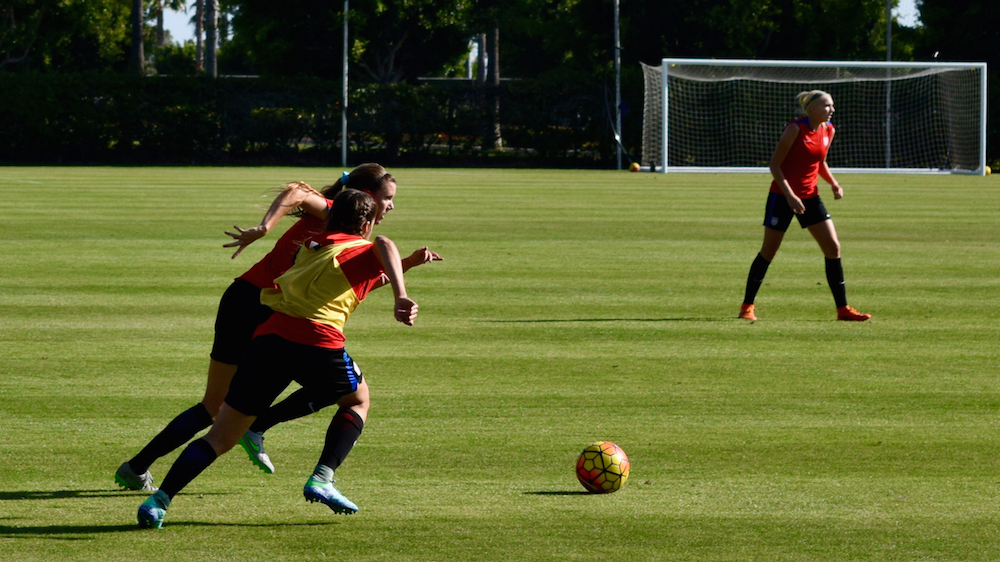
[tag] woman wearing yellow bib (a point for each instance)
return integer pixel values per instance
(304, 341)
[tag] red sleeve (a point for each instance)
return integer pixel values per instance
(279, 259)
(362, 269)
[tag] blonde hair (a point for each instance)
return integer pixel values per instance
(806, 98)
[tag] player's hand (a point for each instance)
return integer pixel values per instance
(798, 207)
(243, 238)
(838, 192)
(405, 310)
(422, 256)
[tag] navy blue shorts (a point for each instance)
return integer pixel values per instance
(274, 362)
(240, 312)
(778, 215)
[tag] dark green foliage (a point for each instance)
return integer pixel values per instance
(966, 30)
(193, 119)
(65, 36)
(175, 60)
(390, 40)
(556, 60)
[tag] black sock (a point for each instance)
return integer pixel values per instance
(178, 432)
(193, 461)
(835, 277)
(343, 433)
(298, 404)
(757, 272)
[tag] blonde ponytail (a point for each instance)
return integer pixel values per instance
(806, 98)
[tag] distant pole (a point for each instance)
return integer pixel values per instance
(618, 91)
(888, 84)
(343, 103)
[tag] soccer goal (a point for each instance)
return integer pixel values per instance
(727, 115)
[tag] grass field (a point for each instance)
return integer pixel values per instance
(572, 306)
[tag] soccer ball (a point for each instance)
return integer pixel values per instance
(634, 167)
(602, 467)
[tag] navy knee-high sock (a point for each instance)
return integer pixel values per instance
(835, 277)
(178, 432)
(343, 433)
(757, 271)
(298, 404)
(192, 462)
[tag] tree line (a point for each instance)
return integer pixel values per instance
(406, 52)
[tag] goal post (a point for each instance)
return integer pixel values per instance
(726, 115)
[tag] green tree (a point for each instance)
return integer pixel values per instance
(391, 40)
(19, 26)
(155, 13)
(65, 35)
(774, 29)
(137, 56)
(966, 31)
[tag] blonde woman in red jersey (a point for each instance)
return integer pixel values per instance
(240, 312)
(798, 160)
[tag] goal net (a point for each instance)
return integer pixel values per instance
(727, 115)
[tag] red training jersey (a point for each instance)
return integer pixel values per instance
(801, 164)
(280, 258)
(333, 273)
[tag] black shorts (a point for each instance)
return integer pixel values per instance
(274, 362)
(778, 215)
(240, 312)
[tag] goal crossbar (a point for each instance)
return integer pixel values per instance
(928, 123)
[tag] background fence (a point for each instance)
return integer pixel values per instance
(116, 119)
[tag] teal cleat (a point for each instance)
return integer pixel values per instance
(153, 510)
(253, 443)
(326, 493)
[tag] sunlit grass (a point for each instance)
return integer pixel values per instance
(571, 306)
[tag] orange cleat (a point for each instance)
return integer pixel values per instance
(849, 314)
(746, 312)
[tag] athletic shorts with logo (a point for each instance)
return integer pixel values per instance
(778, 215)
(273, 362)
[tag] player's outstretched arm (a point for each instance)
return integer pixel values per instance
(405, 308)
(294, 195)
(419, 257)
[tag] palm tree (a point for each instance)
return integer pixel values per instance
(158, 7)
(211, 36)
(199, 33)
(137, 63)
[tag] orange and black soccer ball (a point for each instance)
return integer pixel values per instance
(602, 467)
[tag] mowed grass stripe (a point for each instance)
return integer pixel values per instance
(572, 306)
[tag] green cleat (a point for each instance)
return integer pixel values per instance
(253, 443)
(128, 479)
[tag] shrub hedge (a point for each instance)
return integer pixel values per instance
(117, 119)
